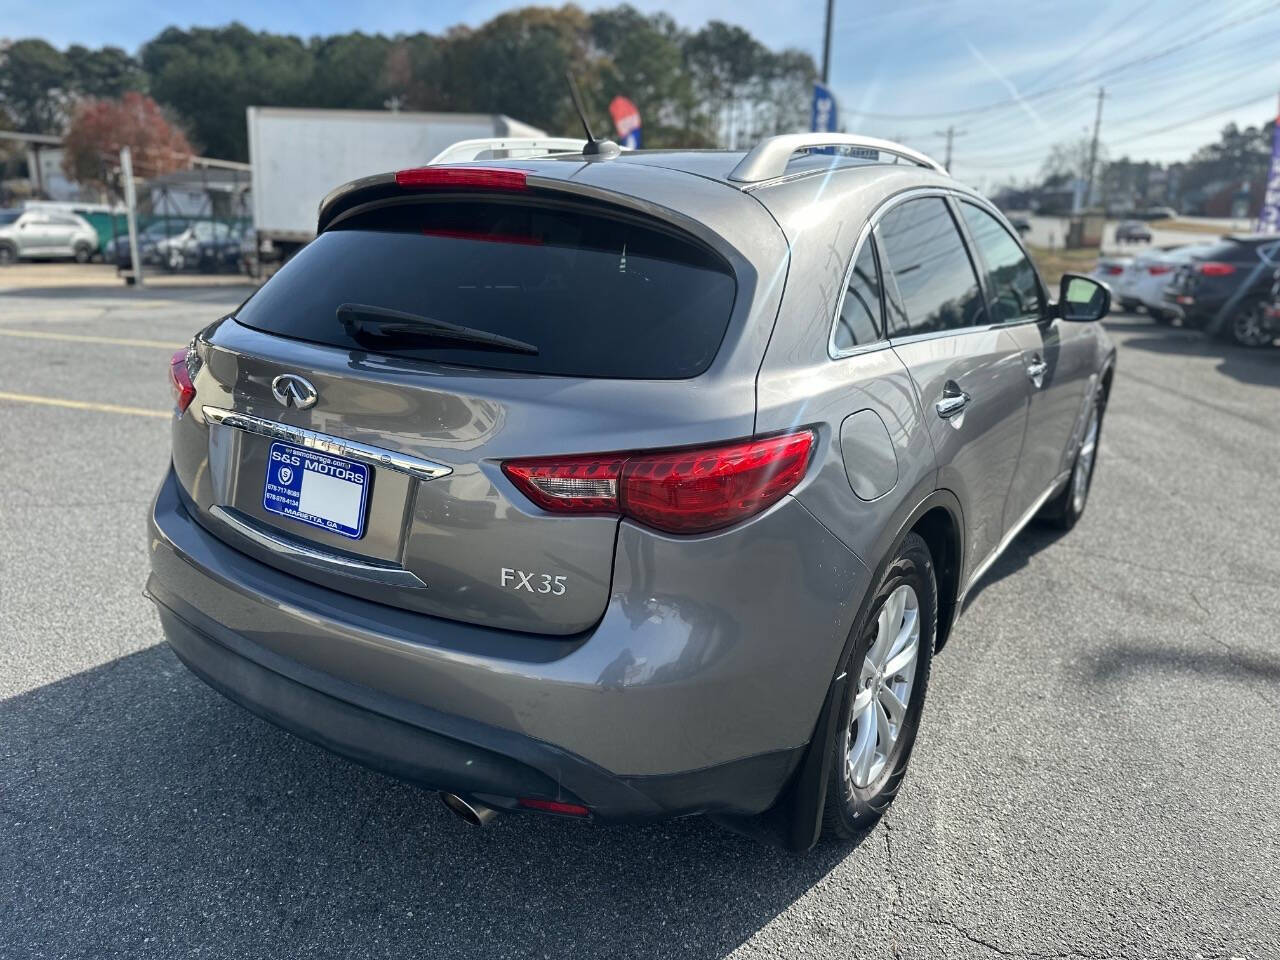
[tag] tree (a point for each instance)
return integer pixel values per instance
(108, 72)
(209, 76)
(1069, 160)
(33, 85)
(99, 128)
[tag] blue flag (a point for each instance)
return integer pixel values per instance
(823, 118)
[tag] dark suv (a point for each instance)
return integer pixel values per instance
(1226, 287)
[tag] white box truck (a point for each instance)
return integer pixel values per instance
(299, 155)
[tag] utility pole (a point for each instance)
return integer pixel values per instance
(950, 133)
(1093, 149)
(826, 44)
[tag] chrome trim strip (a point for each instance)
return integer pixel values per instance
(1013, 532)
(768, 158)
(324, 443)
(391, 576)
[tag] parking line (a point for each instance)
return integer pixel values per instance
(86, 338)
(83, 405)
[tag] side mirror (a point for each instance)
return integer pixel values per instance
(1083, 299)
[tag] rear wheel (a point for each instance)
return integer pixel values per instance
(83, 253)
(887, 674)
(1249, 326)
(8, 253)
(1130, 306)
(1160, 316)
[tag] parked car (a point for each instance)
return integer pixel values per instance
(1021, 224)
(1225, 288)
(1149, 276)
(45, 234)
(689, 553)
(1111, 270)
(117, 251)
(1133, 231)
(217, 247)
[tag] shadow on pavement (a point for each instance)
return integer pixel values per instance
(141, 814)
(1257, 367)
(1120, 663)
(1017, 555)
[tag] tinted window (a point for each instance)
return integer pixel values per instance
(598, 296)
(922, 250)
(1012, 286)
(860, 318)
(8, 216)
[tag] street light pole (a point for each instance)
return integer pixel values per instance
(826, 44)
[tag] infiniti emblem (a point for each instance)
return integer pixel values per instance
(292, 390)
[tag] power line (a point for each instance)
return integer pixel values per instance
(1203, 116)
(1018, 101)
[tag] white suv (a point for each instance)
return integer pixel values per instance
(45, 233)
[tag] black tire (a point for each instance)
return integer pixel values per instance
(1064, 510)
(850, 810)
(83, 253)
(1248, 326)
(1160, 316)
(1130, 306)
(8, 254)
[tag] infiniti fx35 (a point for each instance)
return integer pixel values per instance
(624, 488)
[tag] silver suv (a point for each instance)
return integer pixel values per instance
(624, 488)
(46, 233)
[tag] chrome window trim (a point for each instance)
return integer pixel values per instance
(873, 221)
(324, 443)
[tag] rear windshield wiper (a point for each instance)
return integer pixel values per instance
(362, 318)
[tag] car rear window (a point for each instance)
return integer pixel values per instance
(598, 296)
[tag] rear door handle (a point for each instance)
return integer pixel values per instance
(1036, 370)
(952, 402)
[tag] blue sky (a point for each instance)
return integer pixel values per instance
(1206, 62)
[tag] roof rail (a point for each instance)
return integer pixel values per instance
(508, 147)
(769, 157)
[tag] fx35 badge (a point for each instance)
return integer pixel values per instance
(533, 582)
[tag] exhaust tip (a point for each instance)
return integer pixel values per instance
(476, 814)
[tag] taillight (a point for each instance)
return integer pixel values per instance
(1213, 268)
(1113, 270)
(479, 178)
(687, 490)
(1158, 268)
(184, 391)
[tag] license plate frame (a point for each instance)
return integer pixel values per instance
(335, 489)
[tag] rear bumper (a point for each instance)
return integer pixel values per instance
(497, 716)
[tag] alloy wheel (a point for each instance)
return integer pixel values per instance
(884, 687)
(1084, 464)
(1247, 327)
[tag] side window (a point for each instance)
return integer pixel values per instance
(921, 249)
(860, 319)
(1011, 279)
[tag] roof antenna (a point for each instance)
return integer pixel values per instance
(594, 148)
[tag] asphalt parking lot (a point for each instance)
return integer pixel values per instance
(1098, 774)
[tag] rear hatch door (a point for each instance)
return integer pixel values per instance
(352, 418)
